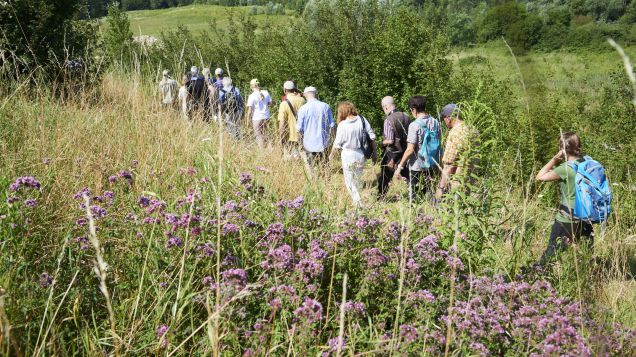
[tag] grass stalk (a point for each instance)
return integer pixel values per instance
(100, 268)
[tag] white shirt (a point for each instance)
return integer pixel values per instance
(349, 134)
(168, 87)
(260, 107)
(183, 97)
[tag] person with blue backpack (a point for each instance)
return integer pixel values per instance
(423, 151)
(585, 196)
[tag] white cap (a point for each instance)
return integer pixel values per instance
(194, 70)
(166, 72)
(289, 85)
(254, 82)
(206, 71)
(310, 89)
(218, 72)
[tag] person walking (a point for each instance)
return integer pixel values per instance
(168, 88)
(287, 117)
(395, 130)
(215, 91)
(231, 107)
(183, 96)
(459, 157)
(258, 110)
(422, 169)
(198, 94)
(566, 228)
(315, 126)
(350, 138)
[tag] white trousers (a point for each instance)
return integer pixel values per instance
(352, 165)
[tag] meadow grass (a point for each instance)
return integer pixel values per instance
(120, 125)
(193, 17)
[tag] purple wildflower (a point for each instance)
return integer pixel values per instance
(408, 333)
(24, 181)
(45, 280)
(126, 175)
(374, 257)
(83, 192)
(173, 241)
(162, 335)
(310, 311)
(229, 228)
(12, 199)
(337, 344)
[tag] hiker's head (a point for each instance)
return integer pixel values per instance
(417, 104)
(290, 87)
(194, 71)
(310, 92)
(206, 72)
(255, 84)
(345, 110)
(218, 72)
(166, 73)
(227, 82)
(570, 143)
(388, 104)
(450, 114)
(184, 79)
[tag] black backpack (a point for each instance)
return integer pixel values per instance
(197, 88)
(232, 101)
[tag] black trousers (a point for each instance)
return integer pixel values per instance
(389, 160)
(317, 159)
(563, 234)
(420, 182)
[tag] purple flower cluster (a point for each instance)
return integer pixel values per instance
(310, 311)
(28, 182)
(279, 258)
(504, 313)
(162, 335)
(374, 257)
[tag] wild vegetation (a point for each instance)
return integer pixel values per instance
(128, 231)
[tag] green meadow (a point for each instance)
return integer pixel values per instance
(193, 17)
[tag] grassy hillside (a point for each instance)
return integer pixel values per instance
(154, 185)
(562, 73)
(194, 17)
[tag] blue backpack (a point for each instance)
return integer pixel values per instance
(593, 195)
(430, 149)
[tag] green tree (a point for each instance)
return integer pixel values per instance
(39, 34)
(118, 36)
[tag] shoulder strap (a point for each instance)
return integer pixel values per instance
(291, 107)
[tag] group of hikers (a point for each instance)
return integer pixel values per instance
(412, 148)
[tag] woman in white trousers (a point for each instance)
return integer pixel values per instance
(350, 139)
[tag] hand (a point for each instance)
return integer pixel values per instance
(558, 157)
(398, 172)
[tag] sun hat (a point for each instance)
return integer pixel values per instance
(254, 82)
(289, 85)
(450, 110)
(218, 72)
(310, 89)
(194, 70)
